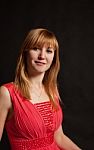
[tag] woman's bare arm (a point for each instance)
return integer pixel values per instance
(5, 105)
(63, 141)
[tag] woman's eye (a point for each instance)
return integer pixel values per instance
(35, 48)
(49, 51)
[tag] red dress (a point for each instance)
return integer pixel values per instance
(32, 126)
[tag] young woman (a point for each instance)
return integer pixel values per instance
(29, 106)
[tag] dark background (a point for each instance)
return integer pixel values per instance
(73, 24)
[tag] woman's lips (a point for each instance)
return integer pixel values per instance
(40, 63)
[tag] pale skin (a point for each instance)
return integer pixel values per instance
(38, 62)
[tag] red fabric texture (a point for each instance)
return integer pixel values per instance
(32, 126)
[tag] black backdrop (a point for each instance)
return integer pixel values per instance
(73, 24)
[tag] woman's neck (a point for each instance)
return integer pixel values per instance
(36, 80)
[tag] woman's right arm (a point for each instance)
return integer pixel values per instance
(5, 105)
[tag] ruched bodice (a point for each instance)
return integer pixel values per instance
(32, 126)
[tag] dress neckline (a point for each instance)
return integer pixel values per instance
(41, 103)
(29, 100)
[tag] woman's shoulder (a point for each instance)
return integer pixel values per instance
(5, 90)
(5, 96)
(8, 85)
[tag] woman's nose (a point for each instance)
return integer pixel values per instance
(41, 55)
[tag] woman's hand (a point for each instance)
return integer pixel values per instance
(63, 141)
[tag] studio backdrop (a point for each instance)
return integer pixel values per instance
(73, 24)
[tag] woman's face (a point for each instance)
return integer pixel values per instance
(39, 59)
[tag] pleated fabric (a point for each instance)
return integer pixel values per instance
(32, 126)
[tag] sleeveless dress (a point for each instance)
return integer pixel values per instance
(32, 126)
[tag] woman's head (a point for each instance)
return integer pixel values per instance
(38, 38)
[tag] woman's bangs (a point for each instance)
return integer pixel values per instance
(50, 42)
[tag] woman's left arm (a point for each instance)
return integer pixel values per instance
(63, 141)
